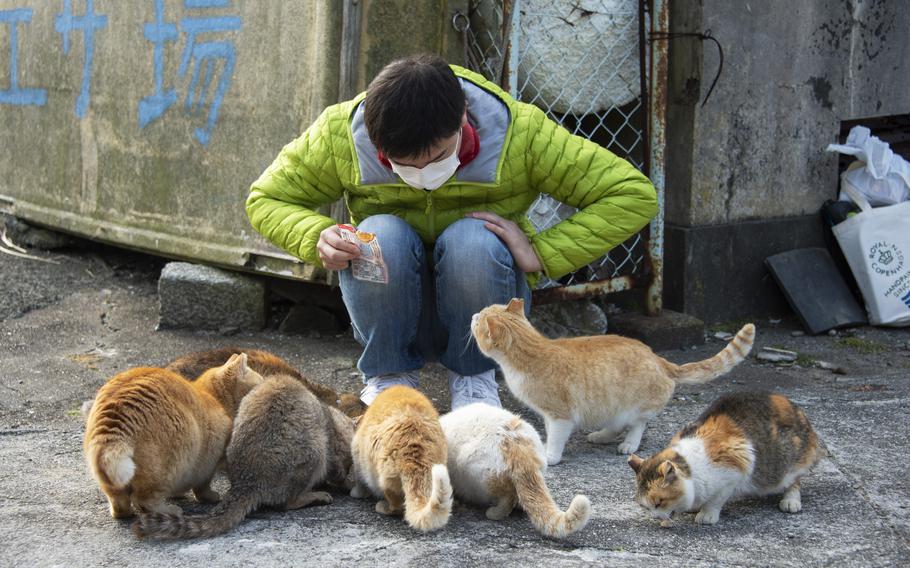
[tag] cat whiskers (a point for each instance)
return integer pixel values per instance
(469, 340)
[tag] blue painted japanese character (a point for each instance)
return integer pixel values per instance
(16, 95)
(65, 23)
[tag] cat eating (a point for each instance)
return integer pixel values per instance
(497, 459)
(745, 444)
(608, 383)
(266, 364)
(285, 442)
(151, 434)
(399, 453)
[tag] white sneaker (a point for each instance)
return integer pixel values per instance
(376, 385)
(474, 388)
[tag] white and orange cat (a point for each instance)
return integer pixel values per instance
(151, 434)
(745, 444)
(399, 454)
(497, 460)
(607, 383)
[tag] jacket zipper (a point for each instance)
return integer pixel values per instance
(431, 217)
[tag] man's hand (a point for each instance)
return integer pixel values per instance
(514, 238)
(334, 251)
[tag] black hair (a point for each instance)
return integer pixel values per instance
(411, 104)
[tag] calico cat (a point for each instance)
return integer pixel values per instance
(194, 364)
(745, 444)
(285, 442)
(497, 459)
(151, 434)
(399, 453)
(605, 382)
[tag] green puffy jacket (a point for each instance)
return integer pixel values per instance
(522, 154)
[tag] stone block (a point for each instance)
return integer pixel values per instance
(196, 296)
(669, 330)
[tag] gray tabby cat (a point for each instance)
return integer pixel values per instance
(285, 442)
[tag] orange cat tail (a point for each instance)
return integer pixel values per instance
(704, 371)
(112, 462)
(524, 468)
(427, 513)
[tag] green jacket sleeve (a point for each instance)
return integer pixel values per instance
(614, 199)
(283, 201)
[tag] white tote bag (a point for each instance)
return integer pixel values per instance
(876, 243)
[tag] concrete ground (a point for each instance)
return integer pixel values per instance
(66, 328)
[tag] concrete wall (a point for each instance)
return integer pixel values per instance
(96, 136)
(755, 152)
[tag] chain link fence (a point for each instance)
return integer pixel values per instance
(578, 60)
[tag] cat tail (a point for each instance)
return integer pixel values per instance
(166, 526)
(525, 467)
(111, 459)
(703, 371)
(427, 512)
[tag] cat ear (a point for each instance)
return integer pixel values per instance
(516, 306)
(635, 462)
(236, 364)
(668, 471)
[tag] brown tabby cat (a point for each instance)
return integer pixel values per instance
(744, 444)
(194, 364)
(605, 382)
(285, 442)
(399, 453)
(151, 434)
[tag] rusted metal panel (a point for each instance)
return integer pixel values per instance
(582, 291)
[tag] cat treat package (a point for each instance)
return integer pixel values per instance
(370, 267)
(876, 243)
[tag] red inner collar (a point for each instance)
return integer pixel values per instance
(470, 147)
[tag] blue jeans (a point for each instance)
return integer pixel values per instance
(424, 312)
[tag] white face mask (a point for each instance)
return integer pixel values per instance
(432, 175)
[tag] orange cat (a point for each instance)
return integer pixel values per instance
(607, 382)
(151, 434)
(266, 364)
(399, 453)
(745, 444)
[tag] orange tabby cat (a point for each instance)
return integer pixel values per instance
(607, 382)
(399, 453)
(266, 364)
(745, 444)
(151, 434)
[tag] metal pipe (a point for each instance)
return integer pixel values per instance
(657, 124)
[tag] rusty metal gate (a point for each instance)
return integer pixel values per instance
(588, 65)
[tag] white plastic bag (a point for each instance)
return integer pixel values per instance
(882, 176)
(876, 243)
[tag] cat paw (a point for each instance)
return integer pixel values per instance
(498, 513)
(553, 460)
(358, 492)
(207, 495)
(310, 499)
(626, 448)
(601, 437)
(790, 505)
(383, 508)
(707, 517)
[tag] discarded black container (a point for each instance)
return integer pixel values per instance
(815, 290)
